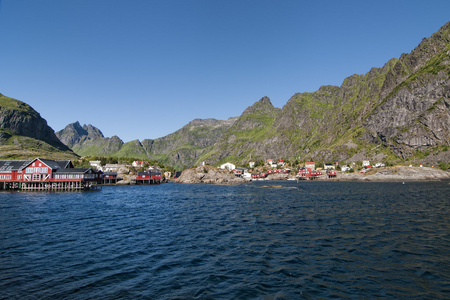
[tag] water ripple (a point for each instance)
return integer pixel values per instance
(323, 240)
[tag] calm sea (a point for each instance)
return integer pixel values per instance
(262, 240)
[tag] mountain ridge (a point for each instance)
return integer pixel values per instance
(399, 111)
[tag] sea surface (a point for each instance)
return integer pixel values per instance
(261, 240)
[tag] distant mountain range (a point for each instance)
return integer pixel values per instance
(394, 113)
(180, 149)
(397, 112)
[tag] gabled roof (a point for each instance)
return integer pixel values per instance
(48, 162)
(51, 163)
(10, 165)
(65, 164)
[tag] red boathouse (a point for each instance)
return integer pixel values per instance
(46, 174)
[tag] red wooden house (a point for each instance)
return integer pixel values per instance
(331, 173)
(148, 177)
(109, 178)
(46, 174)
(308, 173)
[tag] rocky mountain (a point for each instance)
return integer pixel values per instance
(184, 147)
(89, 140)
(243, 139)
(397, 112)
(25, 134)
(180, 149)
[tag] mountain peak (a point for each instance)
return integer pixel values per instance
(264, 105)
(265, 100)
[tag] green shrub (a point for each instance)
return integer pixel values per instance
(443, 166)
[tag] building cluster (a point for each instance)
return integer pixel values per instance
(151, 175)
(309, 171)
(46, 174)
(52, 175)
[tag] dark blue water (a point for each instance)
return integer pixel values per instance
(172, 241)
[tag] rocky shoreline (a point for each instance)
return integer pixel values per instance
(212, 175)
(209, 174)
(397, 173)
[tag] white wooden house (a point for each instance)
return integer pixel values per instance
(228, 166)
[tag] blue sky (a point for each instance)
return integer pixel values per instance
(143, 69)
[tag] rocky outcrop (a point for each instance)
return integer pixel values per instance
(209, 174)
(398, 173)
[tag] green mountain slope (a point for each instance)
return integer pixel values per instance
(397, 112)
(25, 135)
(180, 149)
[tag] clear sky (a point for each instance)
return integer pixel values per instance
(143, 69)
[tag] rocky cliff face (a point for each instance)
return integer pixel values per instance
(22, 120)
(89, 140)
(399, 110)
(72, 134)
(414, 114)
(25, 134)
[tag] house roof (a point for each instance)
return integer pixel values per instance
(9, 165)
(241, 169)
(110, 173)
(65, 163)
(50, 163)
(148, 173)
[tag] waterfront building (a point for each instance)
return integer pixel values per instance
(46, 174)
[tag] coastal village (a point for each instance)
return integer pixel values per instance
(60, 175)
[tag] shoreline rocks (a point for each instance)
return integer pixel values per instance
(210, 175)
(397, 173)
